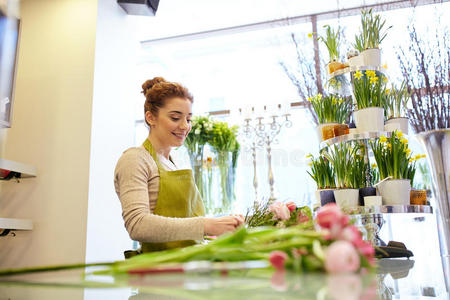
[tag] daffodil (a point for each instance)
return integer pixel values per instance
(411, 160)
(389, 146)
(309, 99)
(341, 101)
(383, 139)
(309, 155)
(358, 75)
(334, 101)
(385, 66)
(399, 134)
(373, 79)
(418, 156)
(423, 156)
(387, 91)
(319, 96)
(408, 151)
(374, 165)
(310, 164)
(404, 141)
(310, 35)
(370, 73)
(385, 79)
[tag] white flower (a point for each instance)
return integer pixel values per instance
(197, 131)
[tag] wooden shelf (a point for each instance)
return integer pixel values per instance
(16, 224)
(25, 170)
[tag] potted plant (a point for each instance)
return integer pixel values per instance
(332, 111)
(342, 159)
(332, 42)
(323, 174)
(393, 160)
(395, 108)
(368, 41)
(369, 92)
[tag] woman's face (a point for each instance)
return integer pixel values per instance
(173, 122)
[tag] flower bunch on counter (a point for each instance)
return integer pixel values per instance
(279, 214)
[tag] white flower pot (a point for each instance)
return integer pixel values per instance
(395, 191)
(356, 61)
(347, 197)
(371, 57)
(319, 130)
(369, 119)
(397, 124)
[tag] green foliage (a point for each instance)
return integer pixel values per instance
(369, 89)
(397, 101)
(342, 157)
(393, 157)
(331, 41)
(371, 34)
(321, 172)
(331, 108)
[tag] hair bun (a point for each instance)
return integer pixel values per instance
(146, 86)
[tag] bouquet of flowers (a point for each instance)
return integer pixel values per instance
(369, 89)
(279, 214)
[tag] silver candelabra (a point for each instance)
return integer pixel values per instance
(263, 132)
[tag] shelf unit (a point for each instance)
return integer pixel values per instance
(354, 137)
(357, 68)
(15, 224)
(20, 170)
(25, 170)
(390, 209)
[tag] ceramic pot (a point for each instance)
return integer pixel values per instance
(327, 196)
(366, 191)
(395, 191)
(347, 197)
(356, 61)
(397, 124)
(369, 119)
(371, 57)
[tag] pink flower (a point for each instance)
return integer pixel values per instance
(291, 206)
(351, 234)
(366, 249)
(280, 210)
(277, 259)
(341, 257)
(302, 218)
(330, 215)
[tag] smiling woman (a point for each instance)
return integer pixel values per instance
(161, 205)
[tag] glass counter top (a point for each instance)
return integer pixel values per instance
(394, 279)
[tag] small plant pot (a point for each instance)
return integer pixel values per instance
(395, 191)
(369, 119)
(366, 191)
(327, 196)
(356, 61)
(347, 197)
(371, 57)
(325, 131)
(418, 197)
(373, 201)
(397, 124)
(334, 66)
(341, 129)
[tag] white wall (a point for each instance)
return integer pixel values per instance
(51, 130)
(115, 90)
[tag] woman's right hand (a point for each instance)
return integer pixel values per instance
(221, 225)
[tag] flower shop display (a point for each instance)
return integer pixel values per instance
(369, 89)
(368, 41)
(395, 108)
(396, 167)
(332, 42)
(332, 112)
(334, 247)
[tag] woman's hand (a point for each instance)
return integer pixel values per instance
(221, 225)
